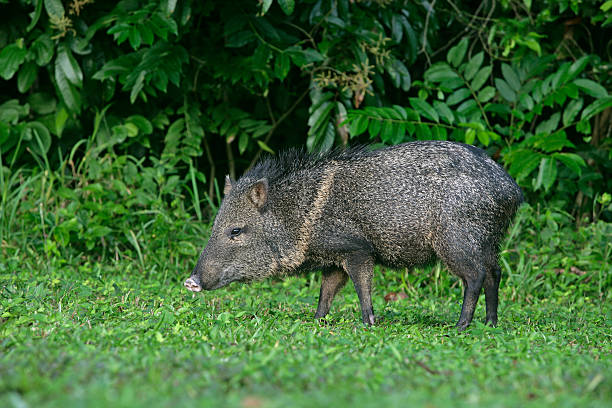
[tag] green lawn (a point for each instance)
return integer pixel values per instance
(77, 329)
(78, 333)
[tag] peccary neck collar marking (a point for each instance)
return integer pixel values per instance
(297, 256)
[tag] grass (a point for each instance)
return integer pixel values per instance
(93, 313)
(77, 333)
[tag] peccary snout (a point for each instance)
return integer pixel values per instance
(193, 283)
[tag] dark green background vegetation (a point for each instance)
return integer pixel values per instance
(119, 119)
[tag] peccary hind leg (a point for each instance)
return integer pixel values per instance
(472, 273)
(360, 269)
(472, 288)
(491, 286)
(466, 258)
(331, 283)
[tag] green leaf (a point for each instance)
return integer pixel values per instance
(526, 102)
(481, 77)
(320, 115)
(470, 136)
(374, 128)
(397, 30)
(483, 137)
(399, 75)
(486, 94)
(560, 77)
(11, 57)
(40, 139)
(444, 112)
(323, 139)
(26, 76)
(572, 161)
(5, 133)
(11, 111)
(98, 231)
(452, 84)
(144, 126)
(265, 6)
(473, 65)
(399, 134)
(549, 126)
(511, 77)
(282, 65)
(571, 110)
(401, 112)
(42, 103)
(404, 74)
(457, 53)
(43, 49)
(287, 6)
(424, 109)
(458, 96)
(472, 125)
(591, 88)
(169, 6)
(70, 96)
(239, 39)
(547, 173)
(523, 162)
(578, 66)
(505, 91)
(303, 57)
(534, 45)
(387, 131)
(54, 8)
(134, 38)
(467, 107)
(243, 142)
(358, 125)
(584, 127)
(137, 87)
(35, 15)
(423, 132)
(439, 72)
(553, 142)
(69, 66)
(146, 34)
(596, 107)
(60, 121)
(412, 40)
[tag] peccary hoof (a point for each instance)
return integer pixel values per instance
(461, 326)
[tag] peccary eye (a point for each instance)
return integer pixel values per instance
(235, 232)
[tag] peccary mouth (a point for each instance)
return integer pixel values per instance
(193, 284)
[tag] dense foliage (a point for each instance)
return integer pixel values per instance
(118, 118)
(199, 89)
(123, 332)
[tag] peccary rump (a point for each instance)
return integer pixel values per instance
(342, 212)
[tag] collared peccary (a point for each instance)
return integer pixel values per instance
(344, 211)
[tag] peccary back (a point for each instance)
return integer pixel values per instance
(343, 211)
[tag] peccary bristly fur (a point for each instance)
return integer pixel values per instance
(346, 210)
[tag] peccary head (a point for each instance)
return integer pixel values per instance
(239, 246)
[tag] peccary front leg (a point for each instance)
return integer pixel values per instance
(360, 269)
(331, 284)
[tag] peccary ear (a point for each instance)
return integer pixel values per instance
(228, 185)
(259, 193)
